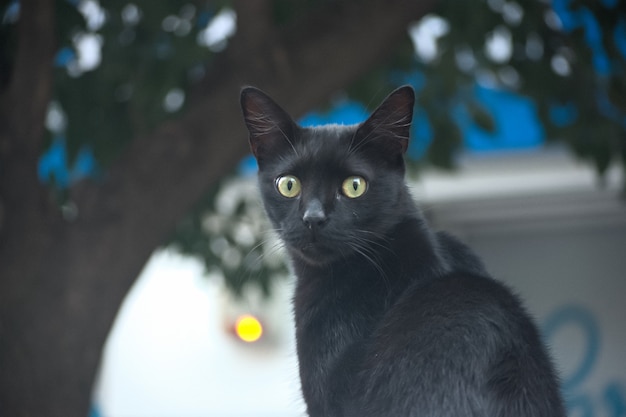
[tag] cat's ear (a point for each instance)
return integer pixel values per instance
(270, 127)
(389, 125)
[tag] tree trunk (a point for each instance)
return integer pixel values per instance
(62, 279)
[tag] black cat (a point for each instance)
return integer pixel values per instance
(392, 319)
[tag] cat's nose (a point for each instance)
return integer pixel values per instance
(314, 215)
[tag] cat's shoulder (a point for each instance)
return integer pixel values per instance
(457, 255)
(453, 316)
(472, 288)
(461, 300)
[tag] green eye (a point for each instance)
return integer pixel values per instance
(288, 186)
(354, 187)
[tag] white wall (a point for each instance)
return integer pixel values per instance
(171, 353)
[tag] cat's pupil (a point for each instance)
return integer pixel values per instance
(290, 185)
(355, 184)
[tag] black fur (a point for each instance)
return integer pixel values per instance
(392, 319)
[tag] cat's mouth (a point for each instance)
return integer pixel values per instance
(314, 247)
(316, 252)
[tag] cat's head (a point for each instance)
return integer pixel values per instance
(331, 191)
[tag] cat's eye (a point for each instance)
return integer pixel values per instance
(288, 186)
(354, 186)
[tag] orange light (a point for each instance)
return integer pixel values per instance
(248, 328)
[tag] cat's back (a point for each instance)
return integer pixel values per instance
(459, 345)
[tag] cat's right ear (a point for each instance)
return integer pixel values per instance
(270, 127)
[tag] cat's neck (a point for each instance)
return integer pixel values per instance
(404, 255)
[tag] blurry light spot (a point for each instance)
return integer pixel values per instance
(73, 70)
(212, 224)
(273, 251)
(248, 328)
(85, 164)
(88, 46)
(183, 28)
(227, 200)
(509, 76)
(219, 29)
(552, 20)
(69, 211)
(252, 261)
(64, 56)
(560, 65)
(425, 34)
(52, 167)
(131, 14)
(465, 59)
(512, 13)
(56, 121)
(188, 11)
(12, 13)
(498, 46)
(534, 47)
(231, 258)
(170, 23)
(495, 5)
(174, 100)
(244, 235)
(93, 13)
(218, 245)
(486, 78)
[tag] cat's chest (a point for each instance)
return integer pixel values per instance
(335, 310)
(340, 294)
(334, 320)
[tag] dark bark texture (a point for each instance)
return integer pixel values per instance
(62, 280)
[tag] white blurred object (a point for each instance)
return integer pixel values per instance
(169, 355)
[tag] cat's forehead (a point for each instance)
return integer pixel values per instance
(318, 152)
(325, 151)
(328, 141)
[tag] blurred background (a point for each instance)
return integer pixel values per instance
(138, 275)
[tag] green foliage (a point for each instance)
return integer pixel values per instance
(551, 64)
(150, 49)
(229, 231)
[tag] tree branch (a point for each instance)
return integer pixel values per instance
(81, 272)
(31, 76)
(254, 23)
(23, 106)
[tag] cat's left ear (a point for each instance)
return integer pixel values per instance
(389, 125)
(270, 127)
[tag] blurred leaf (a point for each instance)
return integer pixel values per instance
(69, 20)
(446, 143)
(481, 116)
(617, 92)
